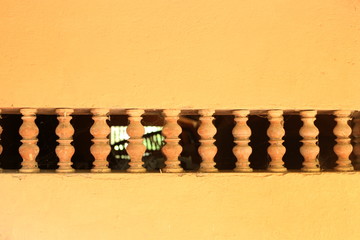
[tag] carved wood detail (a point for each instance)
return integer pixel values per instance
(29, 148)
(207, 149)
(343, 147)
(309, 150)
(101, 147)
(242, 133)
(172, 149)
(65, 132)
(135, 148)
(276, 132)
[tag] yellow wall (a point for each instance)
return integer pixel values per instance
(226, 206)
(188, 54)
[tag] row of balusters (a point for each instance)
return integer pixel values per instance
(172, 149)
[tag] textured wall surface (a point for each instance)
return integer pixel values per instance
(222, 206)
(183, 54)
(187, 54)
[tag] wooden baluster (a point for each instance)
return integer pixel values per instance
(276, 132)
(101, 147)
(242, 133)
(207, 149)
(65, 132)
(29, 148)
(1, 147)
(343, 147)
(309, 150)
(135, 148)
(356, 135)
(172, 148)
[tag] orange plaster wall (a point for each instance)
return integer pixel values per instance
(185, 54)
(222, 206)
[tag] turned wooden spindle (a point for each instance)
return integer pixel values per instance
(207, 149)
(172, 148)
(101, 147)
(242, 133)
(29, 148)
(343, 147)
(276, 132)
(65, 132)
(1, 147)
(135, 148)
(356, 135)
(309, 150)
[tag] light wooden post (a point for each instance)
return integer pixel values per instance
(135, 148)
(172, 149)
(101, 147)
(29, 148)
(309, 150)
(207, 149)
(276, 132)
(242, 133)
(65, 132)
(343, 147)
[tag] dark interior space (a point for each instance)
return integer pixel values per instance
(190, 159)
